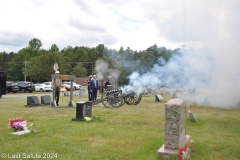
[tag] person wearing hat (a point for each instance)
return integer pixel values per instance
(89, 93)
(59, 84)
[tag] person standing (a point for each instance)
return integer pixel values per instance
(89, 93)
(94, 88)
(59, 84)
(107, 83)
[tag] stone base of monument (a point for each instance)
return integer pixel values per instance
(166, 152)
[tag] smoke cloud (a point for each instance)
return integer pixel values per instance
(103, 71)
(216, 77)
(213, 74)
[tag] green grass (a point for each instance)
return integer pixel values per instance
(131, 132)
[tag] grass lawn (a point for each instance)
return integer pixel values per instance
(131, 132)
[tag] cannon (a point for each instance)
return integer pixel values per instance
(115, 97)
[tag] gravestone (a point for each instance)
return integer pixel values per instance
(192, 116)
(32, 101)
(83, 109)
(45, 100)
(81, 92)
(175, 128)
(88, 109)
(158, 98)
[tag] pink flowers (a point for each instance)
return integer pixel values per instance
(18, 124)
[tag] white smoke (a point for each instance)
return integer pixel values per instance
(103, 71)
(215, 76)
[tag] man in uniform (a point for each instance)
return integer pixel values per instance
(108, 83)
(59, 84)
(89, 93)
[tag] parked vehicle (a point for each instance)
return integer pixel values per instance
(41, 87)
(12, 87)
(68, 87)
(48, 85)
(75, 85)
(25, 86)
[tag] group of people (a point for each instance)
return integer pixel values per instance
(93, 87)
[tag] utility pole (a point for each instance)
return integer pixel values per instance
(25, 63)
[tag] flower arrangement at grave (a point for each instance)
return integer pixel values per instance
(92, 119)
(183, 152)
(20, 126)
(88, 119)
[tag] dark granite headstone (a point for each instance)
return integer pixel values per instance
(83, 109)
(45, 100)
(32, 101)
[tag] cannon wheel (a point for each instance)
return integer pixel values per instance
(133, 99)
(112, 97)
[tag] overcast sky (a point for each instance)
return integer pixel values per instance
(137, 24)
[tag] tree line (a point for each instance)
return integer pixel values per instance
(35, 64)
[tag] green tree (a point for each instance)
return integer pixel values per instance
(41, 67)
(100, 48)
(121, 51)
(81, 55)
(54, 48)
(79, 70)
(4, 59)
(33, 46)
(68, 52)
(16, 66)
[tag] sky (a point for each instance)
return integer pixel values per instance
(209, 30)
(137, 24)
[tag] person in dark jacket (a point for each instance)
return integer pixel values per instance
(107, 83)
(89, 93)
(94, 88)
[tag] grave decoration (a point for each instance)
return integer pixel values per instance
(20, 126)
(183, 152)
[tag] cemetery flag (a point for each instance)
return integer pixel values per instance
(55, 66)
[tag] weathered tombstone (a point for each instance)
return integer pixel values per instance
(175, 128)
(158, 98)
(81, 92)
(192, 116)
